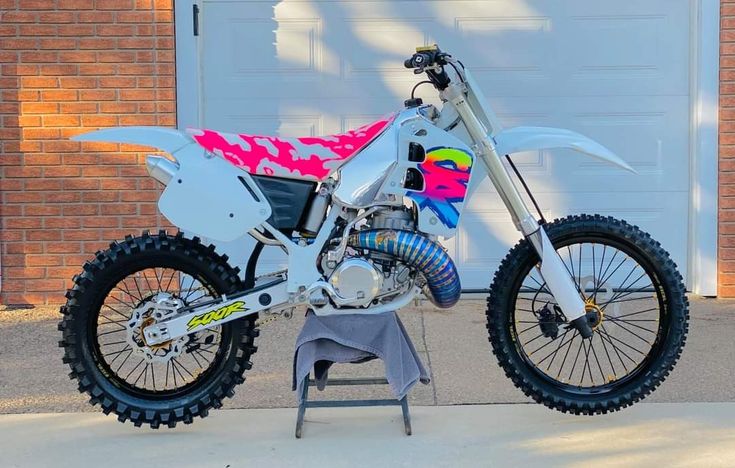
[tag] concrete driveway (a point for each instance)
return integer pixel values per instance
(695, 434)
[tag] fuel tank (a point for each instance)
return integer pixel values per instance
(412, 161)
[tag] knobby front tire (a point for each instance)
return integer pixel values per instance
(524, 338)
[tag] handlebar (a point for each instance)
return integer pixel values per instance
(430, 60)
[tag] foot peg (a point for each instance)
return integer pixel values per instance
(583, 326)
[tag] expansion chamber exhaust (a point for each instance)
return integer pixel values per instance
(442, 280)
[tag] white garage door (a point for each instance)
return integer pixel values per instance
(615, 71)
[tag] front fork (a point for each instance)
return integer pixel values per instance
(552, 269)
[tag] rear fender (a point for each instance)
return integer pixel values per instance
(206, 195)
(515, 140)
(165, 139)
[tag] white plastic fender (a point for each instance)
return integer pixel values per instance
(165, 139)
(207, 196)
(515, 140)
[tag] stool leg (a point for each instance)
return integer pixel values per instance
(302, 408)
(406, 415)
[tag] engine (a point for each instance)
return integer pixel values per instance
(385, 259)
(364, 279)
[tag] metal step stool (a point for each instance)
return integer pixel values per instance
(305, 403)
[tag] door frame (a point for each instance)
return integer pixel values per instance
(704, 136)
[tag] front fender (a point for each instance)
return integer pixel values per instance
(514, 140)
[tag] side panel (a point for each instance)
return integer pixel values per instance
(212, 198)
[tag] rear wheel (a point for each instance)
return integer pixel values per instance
(635, 302)
(107, 309)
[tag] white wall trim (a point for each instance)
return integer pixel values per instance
(705, 79)
(187, 65)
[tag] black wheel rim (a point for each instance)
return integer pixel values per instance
(203, 352)
(626, 339)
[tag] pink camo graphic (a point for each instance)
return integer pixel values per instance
(310, 158)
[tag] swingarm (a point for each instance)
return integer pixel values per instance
(174, 321)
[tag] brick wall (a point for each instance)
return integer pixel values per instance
(67, 66)
(726, 242)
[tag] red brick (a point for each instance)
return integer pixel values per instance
(95, 16)
(76, 4)
(56, 17)
(97, 43)
(97, 94)
(78, 108)
(78, 56)
(62, 197)
(21, 223)
(124, 30)
(59, 70)
(82, 235)
(40, 82)
(135, 17)
(80, 210)
(118, 57)
(64, 248)
(61, 120)
(76, 30)
(43, 235)
(42, 210)
(36, 30)
(60, 95)
(114, 4)
(98, 69)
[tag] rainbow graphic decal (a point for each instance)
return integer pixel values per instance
(310, 158)
(446, 175)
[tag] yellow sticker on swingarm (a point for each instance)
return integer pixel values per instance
(216, 315)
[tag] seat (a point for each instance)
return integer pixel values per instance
(305, 158)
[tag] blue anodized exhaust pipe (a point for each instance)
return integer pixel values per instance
(442, 280)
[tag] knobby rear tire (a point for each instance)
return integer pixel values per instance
(88, 292)
(501, 307)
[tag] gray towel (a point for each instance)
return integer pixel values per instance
(357, 338)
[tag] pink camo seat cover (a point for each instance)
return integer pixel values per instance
(310, 158)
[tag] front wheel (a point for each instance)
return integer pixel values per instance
(635, 302)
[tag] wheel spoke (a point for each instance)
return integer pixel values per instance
(566, 354)
(604, 346)
(613, 319)
(579, 349)
(622, 343)
(631, 332)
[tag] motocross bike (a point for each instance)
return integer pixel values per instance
(586, 314)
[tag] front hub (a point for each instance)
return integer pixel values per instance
(593, 314)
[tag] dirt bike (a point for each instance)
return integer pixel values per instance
(586, 314)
